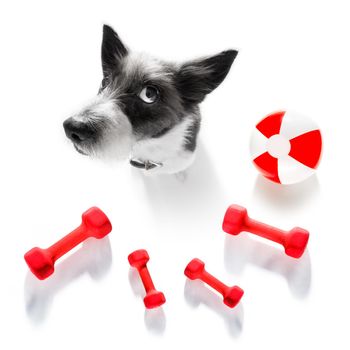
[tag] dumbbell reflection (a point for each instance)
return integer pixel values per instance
(94, 257)
(244, 250)
(197, 293)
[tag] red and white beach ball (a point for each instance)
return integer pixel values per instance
(286, 147)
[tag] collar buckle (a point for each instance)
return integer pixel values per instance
(146, 165)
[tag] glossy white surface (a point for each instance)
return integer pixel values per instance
(278, 146)
(293, 55)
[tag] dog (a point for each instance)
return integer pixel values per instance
(146, 109)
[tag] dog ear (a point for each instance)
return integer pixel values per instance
(112, 49)
(196, 79)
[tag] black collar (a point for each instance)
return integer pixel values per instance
(144, 164)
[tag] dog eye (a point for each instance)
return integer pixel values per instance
(149, 94)
(104, 83)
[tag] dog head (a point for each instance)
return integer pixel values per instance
(141, 98)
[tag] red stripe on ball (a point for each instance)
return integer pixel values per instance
(271, 125)
(306, 148)
(268, 166)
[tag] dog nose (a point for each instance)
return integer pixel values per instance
(78, 131)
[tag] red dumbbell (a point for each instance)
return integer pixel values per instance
(138, 259)
(94, 224)
(196, 270)
(237, 220)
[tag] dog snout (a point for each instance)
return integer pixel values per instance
(78, 131)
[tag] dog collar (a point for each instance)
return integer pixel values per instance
(144, 164)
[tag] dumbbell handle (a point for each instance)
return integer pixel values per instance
(213, 282)
(195, 269)
(263, 230)
(94, 223)
(138, 260)
(146, 278)
(237, 220)
(68, 242)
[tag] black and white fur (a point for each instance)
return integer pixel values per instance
(146, 109)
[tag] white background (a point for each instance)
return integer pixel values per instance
(293, 55)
